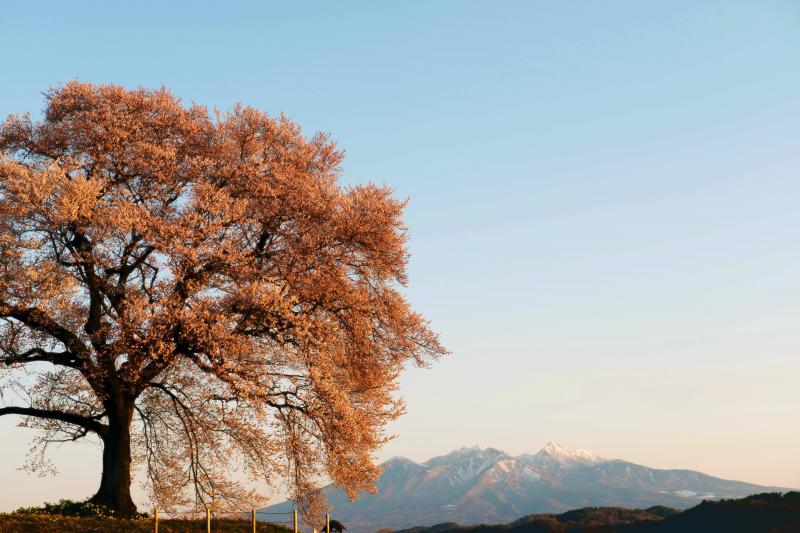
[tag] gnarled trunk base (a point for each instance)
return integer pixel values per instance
(115, 484)
(118, 499)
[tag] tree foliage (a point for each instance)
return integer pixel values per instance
(196, 289)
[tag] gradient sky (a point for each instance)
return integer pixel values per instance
(604, 202)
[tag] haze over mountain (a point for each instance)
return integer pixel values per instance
(486, 485)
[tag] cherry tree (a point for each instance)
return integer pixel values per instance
(196, 290)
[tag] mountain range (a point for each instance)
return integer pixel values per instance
(486, 485)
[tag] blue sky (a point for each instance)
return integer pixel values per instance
(603, 201)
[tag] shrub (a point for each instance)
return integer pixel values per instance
(70, 508)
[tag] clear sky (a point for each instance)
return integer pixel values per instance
(604, 202)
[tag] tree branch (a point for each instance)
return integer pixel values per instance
(85, 422)
(38, 320)
(65, 358)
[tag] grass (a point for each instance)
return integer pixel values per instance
(71, 516)
(45, 523)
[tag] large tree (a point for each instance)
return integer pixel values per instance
(195, 289)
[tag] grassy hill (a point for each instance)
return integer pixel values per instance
(70, 516)
(17, 523)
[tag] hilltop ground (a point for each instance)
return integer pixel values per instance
(11, 523)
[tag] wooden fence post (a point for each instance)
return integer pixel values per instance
(254, 521)
(327, 523)
(155, 520)
(295, 521)
(208, 520)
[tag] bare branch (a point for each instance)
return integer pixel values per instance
(89, 423)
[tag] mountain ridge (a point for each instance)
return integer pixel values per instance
(487, 485)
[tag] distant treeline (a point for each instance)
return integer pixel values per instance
(767, 513)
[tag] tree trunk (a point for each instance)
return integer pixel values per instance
(115, 484)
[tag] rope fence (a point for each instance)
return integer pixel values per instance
(211, 520)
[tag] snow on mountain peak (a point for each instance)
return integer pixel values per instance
(560, 454)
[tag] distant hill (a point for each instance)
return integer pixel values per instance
(761, 513)
(476, 485)
(577, 520)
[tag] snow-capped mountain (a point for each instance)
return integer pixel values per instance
(555, 457)
(485, 485)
